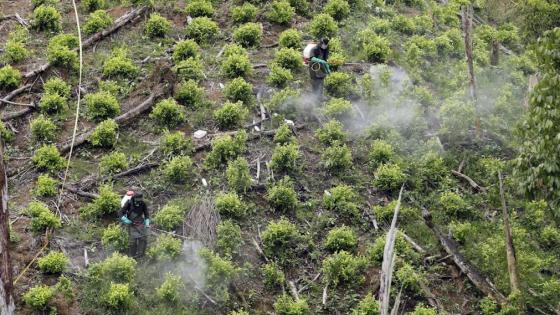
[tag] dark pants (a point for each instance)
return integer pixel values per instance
(317, 86)
(137, 240)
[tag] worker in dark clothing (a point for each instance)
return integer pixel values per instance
(318, 66)
(135, 215)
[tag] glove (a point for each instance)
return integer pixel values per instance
(147, 222)
(125, 220)
(319, 60)
(328, 68)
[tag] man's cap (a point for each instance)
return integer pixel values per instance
(325, 41)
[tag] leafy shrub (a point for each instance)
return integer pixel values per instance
(323, 25)
(389, 177)
(92, 5)
(105, 134)
(190, 94)
(169, 217)
(288, 58)
(102, 105)
(248, 34)
(460, 230)
(331, 132)
(107, 202)
(234, 49)
(41, 217)
(53, 262)
(190, 69)
(198, 8)
(97, 21)
(341, 199)
(286, 305)
(230, 205)
(225, 149)
(169, 291)
(118, 296)
(238, 176)
(230, 115)
(38, 297)
(279, 76)
(385, 213)
(53, 104)
(64, 286)
(282, 196)
(285, 158)
(380, 152)
(46, 186)
(420, 309)
(290, 38)
(377, 49)
(280, 240)
(14, 51)
(402, 249)
(117, 268)
(185, 49)
(338, 108)
(341, 238)
(47, 158)
(337, 158)
(273, 276)
(338, 84)
(281, 12)
(113, 163)
(284, 135)
(9, 77)
(178, 169)
(115, 237)
(61, 51)
(166, 247)
(367, 306)
(343, 267)
(403, 24)
(168, 114)
(57, 86)
(37, 3)
(5, 133)
(338, 9)
(284, 100)
(240, 90)
(409, 279)
(176, 143)
(47, 18)
(229, 238)
(237, 65)
(120, 65)
(453, 204)
(550, 236)
(43, 129)
(245, 13)
(157, 26)
(220, 272)
(202, 30)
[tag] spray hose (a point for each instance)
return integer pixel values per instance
(154, 229)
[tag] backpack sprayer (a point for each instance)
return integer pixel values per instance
(315, 66)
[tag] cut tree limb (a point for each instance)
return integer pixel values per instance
(470, 181)
(14, 93)
(452, 248)
(510, 249)
(7, 305)
(80, 193)
(415, 245)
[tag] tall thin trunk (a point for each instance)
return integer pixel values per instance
(510, 249)
(467, 29)
(7, 306)
(495, 56)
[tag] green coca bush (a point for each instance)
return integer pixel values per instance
(225, 149)
(105, 134)
(338, 108)
(403, 250)
(157, 26)
(169, 217)
(389, 177)
(453, 205)
(39, 297)
(93, 5)
(341, 238)
(367, 306)
(53, 104)
(6, 134)
(284, 135)
(198, 8)
(101, 105)
(281, 12)
(41, 217)
(285, 158)
(168, 114)
(62, 52)
(385, 213)
(113, 163)
(176, 143)
(37, 3)
(338, 9)
(202, 30)
(331, 132)
(281, 239)
(115, 237)
(234, 49)
(343, 268)
(170, 289)
(190, 69)
(342, 200)
(56, 85)
(240, 90)
(238, 175)
(279, 76)
(337, 158)
(46, 186)
(185, 49)
(288, 58)
(97, 21)
(237, 65)
(14, 51)
(53, 262)
(190, 94)
(231, 115)
(107, 202)
(407, 278)
(338, 84)
(281, 196)
(118, 297)
(229, 238)
(245, 13)
(286, 305)
(47, 158)
(273, 276)
(220, 272)
(47, 18)
(179, 169)
(166, 247)
(290, 38)
(9, 77)
(248, 35)
(119, 65)
(43, 129)
(380, 152)
(377, 49)
(231, 205)
(323, 25)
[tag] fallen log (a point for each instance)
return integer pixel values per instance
(471, 182)
(80, 193)
(14, 93)
(452, 248)
(120, 22)
(19, 113)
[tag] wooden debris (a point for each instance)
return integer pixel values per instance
(415, 245)
(470, 181)
(7, 305)
(510, 249)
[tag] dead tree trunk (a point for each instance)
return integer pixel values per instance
(495, 56)
(467, 29)
(510, 250)
(7, 305)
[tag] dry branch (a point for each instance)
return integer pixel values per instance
(79, 192)
(415, 245)
(510, 249)
(203, 219)
(14, 93)
(470, 181)
(6, 285)
(452, 248)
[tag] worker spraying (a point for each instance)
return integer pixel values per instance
(316, 56)
(134, 214)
